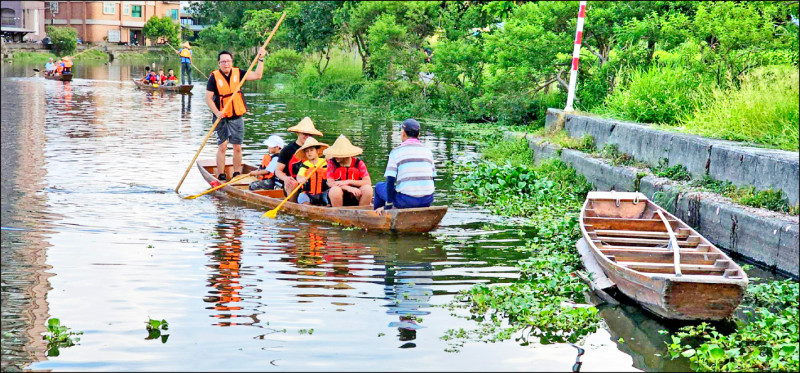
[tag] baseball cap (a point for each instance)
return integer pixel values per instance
(411, 126)
(274, 140)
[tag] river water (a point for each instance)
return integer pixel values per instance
(93, 234)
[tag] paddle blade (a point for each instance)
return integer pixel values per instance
(271, 214)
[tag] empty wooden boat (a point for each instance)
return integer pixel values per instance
(396, 220)
(658, 260)
(185, 88)
(61, 77)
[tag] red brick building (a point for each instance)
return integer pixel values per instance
(112, 21)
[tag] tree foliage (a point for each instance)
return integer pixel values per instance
(64, 39)
(159, 29)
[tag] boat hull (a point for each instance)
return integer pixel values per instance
(710, 286)
(182, 89)
(414, 220)
(61, 77)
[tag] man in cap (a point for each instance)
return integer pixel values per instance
(409, 173)
(219, 92)
(347, 176)
(266, 173)
(288, 163)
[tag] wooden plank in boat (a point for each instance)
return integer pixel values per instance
(600, 280)
(642, 234)
(653, 225)
(670, 267)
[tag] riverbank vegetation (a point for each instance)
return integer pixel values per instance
(725, 70)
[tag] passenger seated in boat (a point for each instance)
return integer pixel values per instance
(49, 67)
(347, 177)
(409, 173)
(146, 78)
(266, 173)
(67, 65)
(315, 187)
(59, 67)
(171, 79)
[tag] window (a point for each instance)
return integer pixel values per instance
(54, 7)
(126, 9)
(8, 17)
(136, 11)
(109, 7)
(173, 13)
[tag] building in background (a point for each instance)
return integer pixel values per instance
(22, 20)
(189, 26)
(113, 21)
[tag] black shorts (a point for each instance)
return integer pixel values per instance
(348, 199)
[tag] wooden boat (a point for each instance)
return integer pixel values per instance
(416, 220)
(633, 240)
(61, 77)
(184, 88)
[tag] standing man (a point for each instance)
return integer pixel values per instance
(186, 63)
(409, 173)
(286, 170)
(219, 91)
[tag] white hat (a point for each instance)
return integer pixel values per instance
(274, 140)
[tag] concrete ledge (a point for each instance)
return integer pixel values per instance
(764, 237)
(722, 160)
(554, 120)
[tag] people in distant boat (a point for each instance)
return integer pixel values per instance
(288, 163)
(67, 63)
(186, 62)
(59, 67)
(266, 172)
(219, 91)
(409, 173)
(146, 78)
(162, 78)
(171, 79)
(347, 177)
(49, 67)
(315, 188)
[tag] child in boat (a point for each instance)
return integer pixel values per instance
(347, 177)
(314, 185)
(162, 78)
(171, 78)
(266, 173)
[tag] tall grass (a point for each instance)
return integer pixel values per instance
(33, 57)
(341, 80)
(764, 110)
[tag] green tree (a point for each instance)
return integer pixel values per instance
(157, 28)
(64, 39)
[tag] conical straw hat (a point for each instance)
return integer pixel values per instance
(300, 153)
(342, 148)
(305, 126)
(186, 44)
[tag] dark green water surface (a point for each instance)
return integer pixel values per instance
(93, 234)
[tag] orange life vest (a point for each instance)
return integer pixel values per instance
(67, 64)
(264, 163)
(226, 94)
(348, 173)
(316, 182)
(59, 68)
(294, 167)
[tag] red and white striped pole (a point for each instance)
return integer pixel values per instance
(576, 54)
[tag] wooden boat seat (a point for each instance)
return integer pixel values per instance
(670, 268)
(662, 256)
(642, 241)
(652, 225)
(277, 193)
(642, 234)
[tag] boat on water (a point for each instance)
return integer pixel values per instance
(658, 260)
(412, 220)
(183, 89)
(61, 77)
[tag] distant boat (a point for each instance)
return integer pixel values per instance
(412, 220)
(183, 89)
(61, 77)
(634, 241)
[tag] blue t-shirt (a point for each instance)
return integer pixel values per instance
(187, 59)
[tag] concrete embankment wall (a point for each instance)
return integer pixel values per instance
(743, 166)
(761, 236)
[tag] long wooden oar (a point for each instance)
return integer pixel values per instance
(274, 212)
(225, 108)
(673, 241)
(235, 179)
(190, 61)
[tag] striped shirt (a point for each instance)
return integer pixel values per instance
(411, 164)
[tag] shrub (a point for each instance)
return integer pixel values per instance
(64, 39)
(764, 110)
(284, 61)
(658, 95)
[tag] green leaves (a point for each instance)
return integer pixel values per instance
(64, 39)
(157, 28)
(154, 329)
(59, 336)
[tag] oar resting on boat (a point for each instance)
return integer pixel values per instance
(412, 220)
(658, 260)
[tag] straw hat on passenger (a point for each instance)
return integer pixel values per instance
(301, 154)
(342, 148)
(305, 126)
(186, 45)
